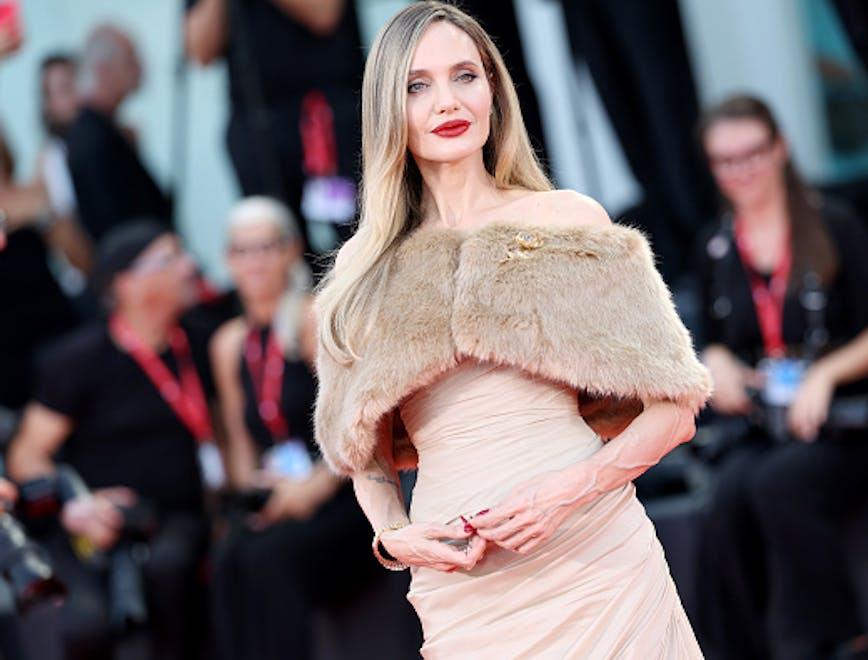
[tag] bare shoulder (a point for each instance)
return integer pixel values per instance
(227, 340)
(565, 209)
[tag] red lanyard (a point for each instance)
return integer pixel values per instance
(768, 299)
(318, 135)
(185, 396)
(265, 365)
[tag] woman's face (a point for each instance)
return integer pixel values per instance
(448, 97)
(259, 259)
(60, 96)
(747, 163)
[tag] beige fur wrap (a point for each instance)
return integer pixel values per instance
(583, 306)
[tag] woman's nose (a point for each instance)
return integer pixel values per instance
(446, 99)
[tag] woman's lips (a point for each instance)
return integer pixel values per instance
(452, 128)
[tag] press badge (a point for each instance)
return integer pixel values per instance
(211, 466)
(289, 459)
(782, 377)
(329, 199)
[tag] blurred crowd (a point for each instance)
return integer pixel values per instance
(168, 497)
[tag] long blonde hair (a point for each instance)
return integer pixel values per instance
(391, 189)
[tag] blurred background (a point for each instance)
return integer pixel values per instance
(795, 53)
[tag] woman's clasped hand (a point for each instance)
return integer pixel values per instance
(528, 516)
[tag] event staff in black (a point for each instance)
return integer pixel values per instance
(299, 550)
(122, 403)
(783, 277)
(295, 70)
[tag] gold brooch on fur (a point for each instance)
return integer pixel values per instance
(526, 242)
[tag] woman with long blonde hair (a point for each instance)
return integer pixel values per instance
(517, 348)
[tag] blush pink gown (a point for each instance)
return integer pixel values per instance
(600, 588)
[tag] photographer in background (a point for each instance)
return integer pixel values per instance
(122, 403)
(783, 279)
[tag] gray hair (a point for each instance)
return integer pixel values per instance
(259, 209)
(102, 46)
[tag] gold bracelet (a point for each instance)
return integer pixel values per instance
(391, 564)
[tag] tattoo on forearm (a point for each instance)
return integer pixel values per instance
(380, 479)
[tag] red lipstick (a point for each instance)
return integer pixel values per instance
(452, 128)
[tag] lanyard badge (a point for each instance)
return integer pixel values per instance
(768, 299)
(326, 198)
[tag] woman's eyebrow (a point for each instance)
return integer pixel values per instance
(457, 65)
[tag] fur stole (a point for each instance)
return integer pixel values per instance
(583, 306)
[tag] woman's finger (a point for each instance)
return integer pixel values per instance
(446, 532)
(521, 537)
(506, 529)
(496, 516)
(530, 545)
(475, 551)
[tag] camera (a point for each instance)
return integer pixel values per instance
(123, 563)
(26, 566)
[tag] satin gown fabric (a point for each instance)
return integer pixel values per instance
(599, 588)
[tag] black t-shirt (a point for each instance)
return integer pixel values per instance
(297, 397)
(125, 434)
(728, 313)
(34, 311)
(289, 59)
(110, 180)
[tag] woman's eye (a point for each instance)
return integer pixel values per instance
(467, 76)
(415, 87)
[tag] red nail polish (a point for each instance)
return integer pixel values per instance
(469, 528)
(483, 511)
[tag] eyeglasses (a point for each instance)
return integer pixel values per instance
(257, 249)
(746, 160)
(156, 262)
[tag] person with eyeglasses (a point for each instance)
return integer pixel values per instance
(785, 334)
(124, 402)
(303, 543)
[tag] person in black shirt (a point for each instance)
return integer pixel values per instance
(299, 549)
(35, 308)
(111, 183)
(104, 406)
(295, 69)
(785, 317)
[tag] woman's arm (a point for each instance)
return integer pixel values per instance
(378, 491)
(847, 363)
(814, 396)
(321, 17)
(241, 455)
(731, 377)
(534, 510)
(205, 31)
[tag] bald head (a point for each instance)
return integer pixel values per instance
(109, 69)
